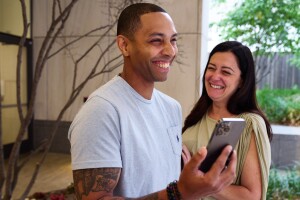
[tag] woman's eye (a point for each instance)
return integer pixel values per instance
(226, 72)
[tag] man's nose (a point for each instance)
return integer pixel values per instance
(170, 49)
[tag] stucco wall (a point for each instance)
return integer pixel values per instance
(55, 84)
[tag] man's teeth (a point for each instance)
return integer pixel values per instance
(216, 86)
(163, 65)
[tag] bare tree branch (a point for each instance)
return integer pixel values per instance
(74, 94)
(12, 169)
(59, 18)
(19, 59)
(10, 179)
(76, 40)
(2, 167)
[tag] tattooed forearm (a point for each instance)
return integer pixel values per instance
(101, 182)
(106, 180)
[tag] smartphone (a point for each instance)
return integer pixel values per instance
(226, 132)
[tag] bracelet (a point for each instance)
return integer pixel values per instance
(173, 192)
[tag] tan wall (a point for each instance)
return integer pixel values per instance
(54, 89)
(10, 117)
(11, 17)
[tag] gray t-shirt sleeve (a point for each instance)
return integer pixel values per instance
(95, 136)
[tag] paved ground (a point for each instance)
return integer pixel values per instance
(55, 174)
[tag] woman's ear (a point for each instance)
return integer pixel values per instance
(122, 42)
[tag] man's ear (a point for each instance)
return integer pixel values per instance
(122, 42)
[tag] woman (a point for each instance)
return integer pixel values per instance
(229, 91)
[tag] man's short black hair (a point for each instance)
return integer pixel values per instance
(129, 19)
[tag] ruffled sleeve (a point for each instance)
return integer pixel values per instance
(255, 124)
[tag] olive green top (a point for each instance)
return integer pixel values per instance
(199, 134)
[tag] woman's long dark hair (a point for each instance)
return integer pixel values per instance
(244, 99)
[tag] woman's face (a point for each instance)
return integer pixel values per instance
(222, 77)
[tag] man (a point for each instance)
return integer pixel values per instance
(126, 139)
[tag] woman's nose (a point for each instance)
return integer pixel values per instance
(215, 75)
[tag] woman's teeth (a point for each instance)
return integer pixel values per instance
(216, 86)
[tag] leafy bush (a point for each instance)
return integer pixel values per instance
(284, 184)
(281, 106)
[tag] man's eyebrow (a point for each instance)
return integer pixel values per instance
(161, 34)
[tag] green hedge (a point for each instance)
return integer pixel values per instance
(281, 106)
(284, 184)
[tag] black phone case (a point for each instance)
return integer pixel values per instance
(226, 132)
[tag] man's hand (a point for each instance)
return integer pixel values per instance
(194, 184)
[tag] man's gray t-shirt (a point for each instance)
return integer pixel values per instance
(117, 127)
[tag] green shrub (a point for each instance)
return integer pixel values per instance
(284, 184)
(281, 106)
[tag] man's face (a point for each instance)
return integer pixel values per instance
(153, 48)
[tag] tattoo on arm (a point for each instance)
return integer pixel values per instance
(102, 180)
